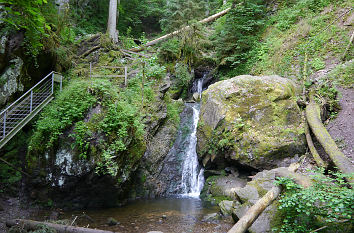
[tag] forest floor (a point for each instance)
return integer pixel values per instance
(11, 208)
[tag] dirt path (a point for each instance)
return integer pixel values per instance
(11, 208)
(342, 127)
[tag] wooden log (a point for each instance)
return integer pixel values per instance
(329, 145)
(33, 225)
(252, 214)
(257, 209)
(168, 36)
(312, 148)
(85, 54)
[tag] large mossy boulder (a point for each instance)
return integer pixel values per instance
(252, 120)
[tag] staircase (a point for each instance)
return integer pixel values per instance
(19, 113)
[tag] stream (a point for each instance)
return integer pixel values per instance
(175, 215)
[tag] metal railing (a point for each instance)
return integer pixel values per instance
(20, 112)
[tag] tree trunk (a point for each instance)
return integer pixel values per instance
(168, 36)
(252, 214)
(112, 21)
(312, 148)
(257, 209)
(322, 135)
(33, 225)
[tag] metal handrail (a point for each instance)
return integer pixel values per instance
(26, 93)
(20, 112)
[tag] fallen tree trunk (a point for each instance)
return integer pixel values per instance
(168, 36)
(312, 148)
(252, 214)
(257, 209)
(322, 135)
(304, 181)
(34, 225)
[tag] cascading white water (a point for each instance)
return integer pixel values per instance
(200, 86)
(192, 176)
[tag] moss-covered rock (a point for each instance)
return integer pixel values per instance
(253, 120)
(261, 183)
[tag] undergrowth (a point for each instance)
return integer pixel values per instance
(328, 203)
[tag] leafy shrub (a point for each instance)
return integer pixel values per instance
(26, 15)
(329, 202)
(183, 76)
(169, 51)
(70, 106)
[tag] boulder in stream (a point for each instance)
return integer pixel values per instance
(252, 120)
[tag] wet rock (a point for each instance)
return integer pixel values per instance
(112, 222)
(224, 186)
(256, 119)
(248, 193)
(211, 217)
(226, 207)
(196, 97)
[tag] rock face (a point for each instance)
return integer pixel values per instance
(252, 120)
(9, 80)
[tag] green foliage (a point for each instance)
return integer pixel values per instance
(179, 13)
(91, 16)
(183, 76)
(236, 33)
(121, 125)
(170, 50)
(82, 136)
(70, 106)
(318, 64)
(297, 28)
(342, 75)
(329, 202)
(26, 15)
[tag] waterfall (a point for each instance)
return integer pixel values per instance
(192, 175)
(200, 86)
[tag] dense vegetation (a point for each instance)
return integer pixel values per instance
(290, 38)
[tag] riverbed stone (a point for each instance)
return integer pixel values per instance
(211, 217)
(112, 222)
(226, 207)
(252, 120)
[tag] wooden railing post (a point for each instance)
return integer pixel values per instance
(125, 75)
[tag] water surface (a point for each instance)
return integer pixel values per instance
(175, 215)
